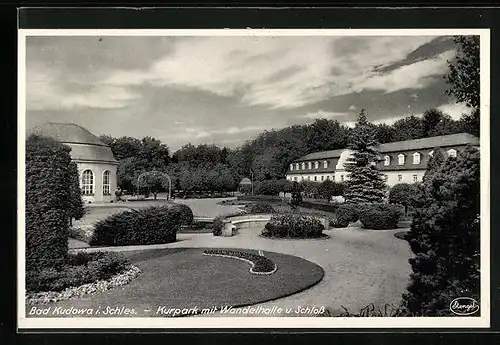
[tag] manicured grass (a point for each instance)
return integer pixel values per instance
(185, 278)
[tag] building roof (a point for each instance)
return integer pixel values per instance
(246, 180)
(429, 143)
(84, 145)
(320, 155)
(406, 145)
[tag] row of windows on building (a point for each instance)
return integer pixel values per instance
(87, 185)
(387, 160)
(416, 157)
(309, 165)
(342, 178)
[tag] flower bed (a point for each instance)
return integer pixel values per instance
(293, 226)
(85, 289)
(79, 269)
(260, 264)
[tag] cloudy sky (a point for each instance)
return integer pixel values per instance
(225, 90)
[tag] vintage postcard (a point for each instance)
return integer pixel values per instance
(300, 178)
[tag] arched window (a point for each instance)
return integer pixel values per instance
(291, 167)
(387, 161)
(88, 182)
(316, 165)
(325, 164)
(106, 184)
(303, 166)
(401, 159)
(416, 158)
(309, 165)
(297, 166)
(452, 153)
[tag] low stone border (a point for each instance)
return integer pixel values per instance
(246, 260)
(90, 288)
(323, 237)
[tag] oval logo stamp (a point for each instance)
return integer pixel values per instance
(464, 306)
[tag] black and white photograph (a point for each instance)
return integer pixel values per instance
(300, 178)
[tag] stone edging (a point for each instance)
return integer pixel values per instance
(324, 237)
(89, 288)
(248, 261)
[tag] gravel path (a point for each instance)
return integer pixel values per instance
(361, 266)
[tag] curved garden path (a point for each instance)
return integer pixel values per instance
(361, 266)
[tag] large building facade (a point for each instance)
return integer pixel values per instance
(400, 162)
(96, 164)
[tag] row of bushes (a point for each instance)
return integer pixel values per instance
(376, 216)
(151, 225)
(81, 268)
(293, 225)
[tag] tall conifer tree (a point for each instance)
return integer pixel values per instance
(365, 182)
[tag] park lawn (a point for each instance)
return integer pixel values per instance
(185, 278)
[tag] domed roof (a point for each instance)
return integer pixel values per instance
(246, 180)
(84, 145)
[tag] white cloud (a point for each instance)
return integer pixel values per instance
(414, 76)
(325, 114)
(285, 72)
(45, 90)
(455, 110)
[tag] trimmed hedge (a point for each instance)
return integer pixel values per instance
(81, 268)
(185, 213)
(151, 225)
(48, 202)
(328, 207)
(259, 208)
(293, 226)
(378, 216)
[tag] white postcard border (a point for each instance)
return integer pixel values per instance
(262, 322)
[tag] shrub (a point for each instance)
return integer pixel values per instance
(48, 202)
(218, 224)
(81, 268)
(151, 225)
(293, 226)
(445, 237)
(402, 194)
(259, 208)
(378, 216)
(185, 213)
(346, 214)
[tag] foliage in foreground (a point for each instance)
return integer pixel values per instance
(48, 202)
(81, 268)
(293, 226)
(444, 237)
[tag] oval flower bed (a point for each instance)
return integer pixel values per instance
(260, 264)
(293, 225)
